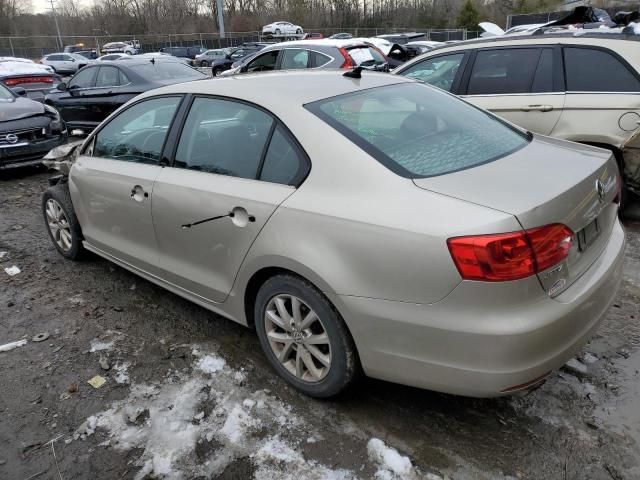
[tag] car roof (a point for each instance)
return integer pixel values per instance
(323, 42)
(286, 88)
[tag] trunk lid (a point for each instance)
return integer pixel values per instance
(549, 181)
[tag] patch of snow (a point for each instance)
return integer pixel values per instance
(249, 403)
(122, 372)
(391, 464)
(576, 365)
(10, 346)
(589, 358)
(3, 254)
(12, 271)
(98, 345)
(238, 424)
(211, 364)
(77, 300)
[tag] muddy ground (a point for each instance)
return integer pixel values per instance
(189, 394)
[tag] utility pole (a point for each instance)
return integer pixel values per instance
(220, 18)
(55, 19)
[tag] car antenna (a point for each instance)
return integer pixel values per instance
(153, 61)
(355, 73)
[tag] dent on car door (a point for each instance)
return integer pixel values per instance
(233, 166)
(522, 85)
(603, 104)
(111, 182)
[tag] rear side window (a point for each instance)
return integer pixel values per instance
(223, 137)
(284, 162)
(319, 59)
(503, 71)
(591, 70)
(108, 77)
(294, 59)
(439, 71)
(137, 134)
(163, 70)
(418, 131)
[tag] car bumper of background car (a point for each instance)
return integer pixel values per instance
(30, 154)
(470, 343)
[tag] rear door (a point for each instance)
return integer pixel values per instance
(111, 183)
(231, 157)
(521, 84)
(103, 99)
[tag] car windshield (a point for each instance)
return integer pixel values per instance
(163, 70)
(418, 131)
(5, 94)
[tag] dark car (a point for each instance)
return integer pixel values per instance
(225, 63)
(28, 129)
(97, 90)
(402, 38)
(184, 52)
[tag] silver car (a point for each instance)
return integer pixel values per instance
(359, 223)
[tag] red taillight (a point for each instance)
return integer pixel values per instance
(12, 82)
(348, 63)
(510, 256)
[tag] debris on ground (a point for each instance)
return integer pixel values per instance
(98, 345)
(104, 363)
(40, 337)
(390, 462)
(97, 381)
(12, 271)
(10, 346)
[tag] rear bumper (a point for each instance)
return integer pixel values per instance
(30, 154)
(477, 341)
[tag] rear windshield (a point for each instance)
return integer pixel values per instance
(161, 70)
(418, 131)
(366, 56)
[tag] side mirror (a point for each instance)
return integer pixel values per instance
(62, 86)
(73, 60)
(19, 91)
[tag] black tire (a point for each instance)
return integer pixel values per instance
(277, 31)
(60, 194)
(298, 32)
(204, 63)
(216, 72)
(344, 365)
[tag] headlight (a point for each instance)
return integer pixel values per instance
(56, 119)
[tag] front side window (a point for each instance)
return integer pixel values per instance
(263, 63)
(591, 70)
(107, 77)
(418, 131)
(294, 59)
(138, 133)
(83, 79)
(238, 53)
(439, 71)
(223, 137)
(501, 71)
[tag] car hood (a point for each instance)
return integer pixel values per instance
(19, 108)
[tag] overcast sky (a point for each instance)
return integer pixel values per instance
(40, 6)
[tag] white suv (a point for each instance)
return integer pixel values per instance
(584, 88)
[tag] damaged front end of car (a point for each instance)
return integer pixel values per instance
(62, 158)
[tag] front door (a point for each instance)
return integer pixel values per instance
(232, 169)
(521, 85)
(111, 183)
(73, 103)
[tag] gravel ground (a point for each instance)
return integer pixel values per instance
(189, 394)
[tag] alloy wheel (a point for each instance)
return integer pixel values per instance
(297, 338)
(58, 225)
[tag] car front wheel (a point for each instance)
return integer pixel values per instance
(62, 223)
(304, 338)
(204, 63)
(277, 32)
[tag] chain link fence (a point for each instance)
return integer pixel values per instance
(35, 47)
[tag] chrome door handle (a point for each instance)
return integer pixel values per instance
(138, 193)
(537, 108)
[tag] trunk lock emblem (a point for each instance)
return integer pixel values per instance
(600, 188)
(11, 138)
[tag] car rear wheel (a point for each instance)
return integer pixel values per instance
(299, 32)
(304, 338)
(277, 31)
(204, 63)
(217, 72)
(62, 223)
